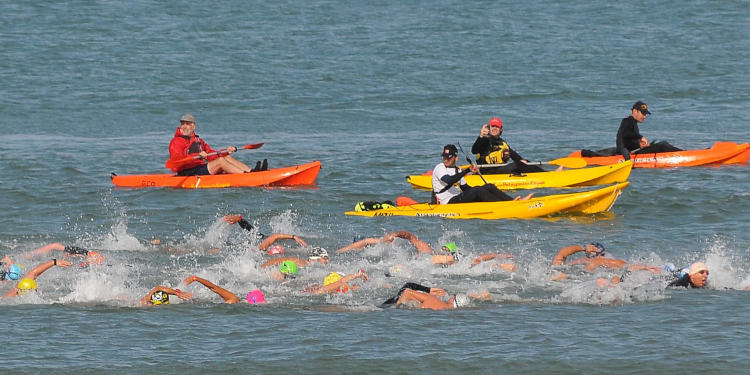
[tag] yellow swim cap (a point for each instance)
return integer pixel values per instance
(331, 278)
(160, 298)
(25, 285)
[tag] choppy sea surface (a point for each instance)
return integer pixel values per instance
(373, 91)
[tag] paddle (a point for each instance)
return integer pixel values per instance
(471, 162)
(565, 162)
(176, 162)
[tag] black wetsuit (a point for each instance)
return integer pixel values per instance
(483, 146)
(682, 281)
(629, 137)
(244, 224)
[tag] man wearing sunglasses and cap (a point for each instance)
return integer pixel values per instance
(449, 185)
(629, 138)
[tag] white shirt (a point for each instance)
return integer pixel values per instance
(438, 172)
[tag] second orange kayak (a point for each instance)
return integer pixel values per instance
(719, 153)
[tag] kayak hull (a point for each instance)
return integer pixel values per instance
(587, 202)
(720, 153)
(602, 175)
(303, 174)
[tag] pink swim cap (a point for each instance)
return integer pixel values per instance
(276, 249)
(256, 296)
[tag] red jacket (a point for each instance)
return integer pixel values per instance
(182, 146)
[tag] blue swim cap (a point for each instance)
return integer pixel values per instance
(599, 250)
(14, 272)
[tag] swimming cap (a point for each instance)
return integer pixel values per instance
(332, 278)
(160, 298)
(95, 257)
(599, 250)
(460, 300)
(14, 272)
(450, 247)
(496, 122)
(318, 252)
(276, 249)
(25, 285)
(697, 267)
(288, 268)
(256, 296)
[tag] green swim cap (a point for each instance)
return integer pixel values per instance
(450, 247)
(288, 268)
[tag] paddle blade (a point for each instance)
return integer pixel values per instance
(569, 162)
(252, 146)
(405, 201)
(177, 162)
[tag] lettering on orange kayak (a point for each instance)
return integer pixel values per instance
(440, 215)
(382, 214)
(148, 183)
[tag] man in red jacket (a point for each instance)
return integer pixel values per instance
(187, 143)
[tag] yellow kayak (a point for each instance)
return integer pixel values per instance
(604, 175)
(586, 202)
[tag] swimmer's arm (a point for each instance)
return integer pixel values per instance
(481, 296)
(643, 267)
(332, 287)
(443, 259)
(38, 270)
(228, 296)
(489, 256)
(359, 245)
(44, 250)
(566, 252)
(605, 262)
(279, 236)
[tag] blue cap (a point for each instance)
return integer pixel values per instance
(14, 272)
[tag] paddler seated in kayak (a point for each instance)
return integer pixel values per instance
(489, 148)
(629, 138)
(186, 143)
(269, 243)
(447, 255)
(68, 252)
(28, 282)
(449, 185)
(253, 297)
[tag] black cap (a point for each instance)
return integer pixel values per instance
(449, 151)
(641, 106)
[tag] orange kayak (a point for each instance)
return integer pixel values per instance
(303, 174)
(719, 153)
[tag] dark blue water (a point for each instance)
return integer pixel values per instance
(373, 91)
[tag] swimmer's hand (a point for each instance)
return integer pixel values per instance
(183, 295)
(63, 263)
(363, 275)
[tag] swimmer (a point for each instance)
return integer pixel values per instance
(287, 271)
(29, 280)
(337, 283)
(695, 276)
(419, 245)
(159, 295)
(426, 298)
(318, 254)
(9, 271)
(265, 245)
(90, 256)
(454, 256)
(595, 258)
(253, 297)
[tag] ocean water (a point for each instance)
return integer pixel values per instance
(373, 91)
